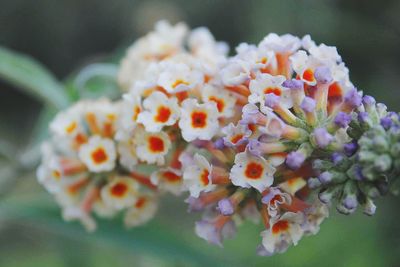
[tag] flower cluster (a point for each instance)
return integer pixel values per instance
(367, 166)
(299, 100)
(176, 98)
(86, 168)
(275, 133)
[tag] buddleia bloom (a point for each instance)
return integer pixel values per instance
(83, 166)
(178, 98)
(299, 103)
(275, 134)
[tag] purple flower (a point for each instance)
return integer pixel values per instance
(250, 114)
(337, 158)
(219, 144)
(352, 98)
(295, 159)
(254, 147)
(271, 194)
(363, 116)
(368, 100)
(293, 84)
(325, 177)
(225, 207)
(323, 75)
(213, 232)
(358, 173)
(271, 100)
(350, 202)
(308, 104)
(208, 231)
(195, 204)
(313, 183)
(342, 119)
(350, 148)
(322, 137)
(386, 122)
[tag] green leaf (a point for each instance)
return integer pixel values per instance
(154, 239)
(31, 77)
(98, 80)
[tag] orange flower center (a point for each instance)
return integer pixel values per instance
(254, 170)
(280, 226)
(179, 82)
(99, 155)
(80, 139)
(273, 90)
(252, 127)
(140, 202)
(71, 127)
(236, 138)
(156, 144)
(334, 90)
(119, 189)
(56, 174)
(276, 198)
(163, 114)
(220, 103)
(171, 176)
(204, 177)
(136, 111)
(199, 119)
(308, 75)
(264, 60)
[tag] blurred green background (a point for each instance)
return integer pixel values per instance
(66, 35)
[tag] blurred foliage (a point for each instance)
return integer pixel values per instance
(81, 42)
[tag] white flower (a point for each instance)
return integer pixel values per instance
(101, 116)
(307, 43)
(76, 213)
(203, 46)
(166, 40)
(283, 232)
(127, 153)
(265, 84)
(197, 177)
(98, 154)
(103, 209)
(325, 53)
(131, 108)
(152, 147)
(235, 135)
(168, 180)
(49, 173)
(304, 65)
(224, 100)
(235, 72)
(142, 210)
(68, 123)
(314, 216)
(274, 199)
(251, 171)
(120, 192)
(198, 121)
(178, 77)
(283, 44)
(159, 111)
(258, 58)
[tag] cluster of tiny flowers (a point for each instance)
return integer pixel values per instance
(176, 98)
(299, 100)
(273, 134)
(367, 166)
(84, 165)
